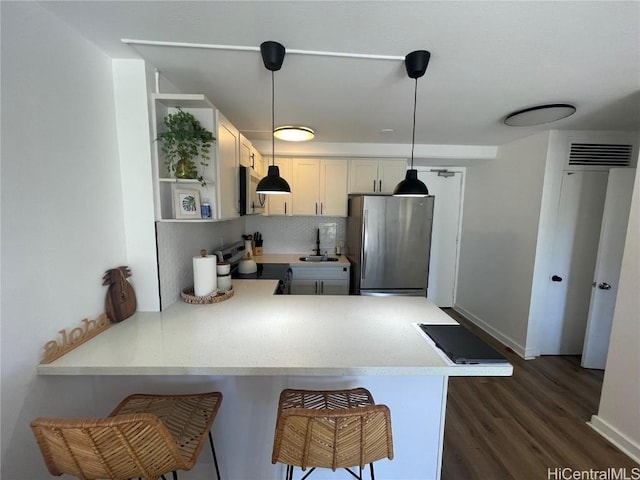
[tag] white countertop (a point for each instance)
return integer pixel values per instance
(294, 259)
(258, 333)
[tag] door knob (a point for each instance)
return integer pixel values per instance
(556, 278)
(604, 286)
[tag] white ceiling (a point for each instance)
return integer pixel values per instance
(487, 60)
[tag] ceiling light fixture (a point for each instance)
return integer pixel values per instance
(539, 115)
(273, 184)
(293, 133)
(416, 64)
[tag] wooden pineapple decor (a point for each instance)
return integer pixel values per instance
(121, 299)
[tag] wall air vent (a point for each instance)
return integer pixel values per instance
(600, 154)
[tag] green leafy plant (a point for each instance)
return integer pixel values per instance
(183, 143)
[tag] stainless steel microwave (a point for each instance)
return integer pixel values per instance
(251, 203)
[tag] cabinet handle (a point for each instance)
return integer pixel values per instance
(374, 185)
(316, 208)
(316, 287)
(321, 207)
(322, 286)
(285, 208)
(380, 189)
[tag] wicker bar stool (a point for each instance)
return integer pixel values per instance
(146, 436)
(331, 429)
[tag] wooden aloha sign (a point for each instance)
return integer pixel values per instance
(74, 337)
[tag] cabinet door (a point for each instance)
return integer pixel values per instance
(363, 176)
(333, 188)
(258, 163)
(245, 152)
(281, 204)
(390, 173)
(305, 187)
(304, 287)
(333, 287)
(228, 171)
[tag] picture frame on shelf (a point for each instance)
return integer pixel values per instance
(186, 203)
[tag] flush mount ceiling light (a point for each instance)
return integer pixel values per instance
(273, 184)
(293, 133)
(539, 115)
(416, 64)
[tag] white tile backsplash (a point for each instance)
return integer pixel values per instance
(296, 234)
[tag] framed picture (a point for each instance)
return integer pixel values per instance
(186, 204)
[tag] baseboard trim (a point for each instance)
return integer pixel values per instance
(505, 340)
(615, 436)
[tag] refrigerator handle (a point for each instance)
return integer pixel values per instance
(365, 216)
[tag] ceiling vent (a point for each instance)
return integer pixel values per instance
(600, 154)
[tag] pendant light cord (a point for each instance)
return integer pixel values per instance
(273, 120)
(413, 137)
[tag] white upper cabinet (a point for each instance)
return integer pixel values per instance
(281, 204)
(245, 151)
(333, 187)
(250, 157)
(220, 175)
(228, 185)
(319, 187)
(375, 176)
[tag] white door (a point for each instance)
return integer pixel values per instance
(443, 264)
(575, 247)
(609, 260)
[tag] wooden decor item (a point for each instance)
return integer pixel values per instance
(121, 299)
(75, 337)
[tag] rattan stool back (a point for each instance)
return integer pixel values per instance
(331, 429)
(146, 436)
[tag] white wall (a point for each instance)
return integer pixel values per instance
(498, 241)
(618, 417)
(134, 135)
(62, 214)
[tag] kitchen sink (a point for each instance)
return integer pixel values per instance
(318, 258)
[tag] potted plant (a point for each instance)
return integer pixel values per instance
(185, 141)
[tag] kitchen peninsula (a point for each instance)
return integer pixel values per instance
(255, 344)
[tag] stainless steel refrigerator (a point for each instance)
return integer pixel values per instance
(388, 244)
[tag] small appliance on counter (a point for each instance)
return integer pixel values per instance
(247, 264)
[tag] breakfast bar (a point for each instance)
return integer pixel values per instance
(255, 344)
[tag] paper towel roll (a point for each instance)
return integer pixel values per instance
(204, 275)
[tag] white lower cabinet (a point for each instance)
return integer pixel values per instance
(320, 280)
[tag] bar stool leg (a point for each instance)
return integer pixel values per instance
(215, 459)
(373, 477)
(175, 475)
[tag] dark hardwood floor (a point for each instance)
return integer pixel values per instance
(519, 427)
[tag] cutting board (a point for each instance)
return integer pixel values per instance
(121, 298)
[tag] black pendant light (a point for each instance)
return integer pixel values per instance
(416, 64)
(273, 183)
